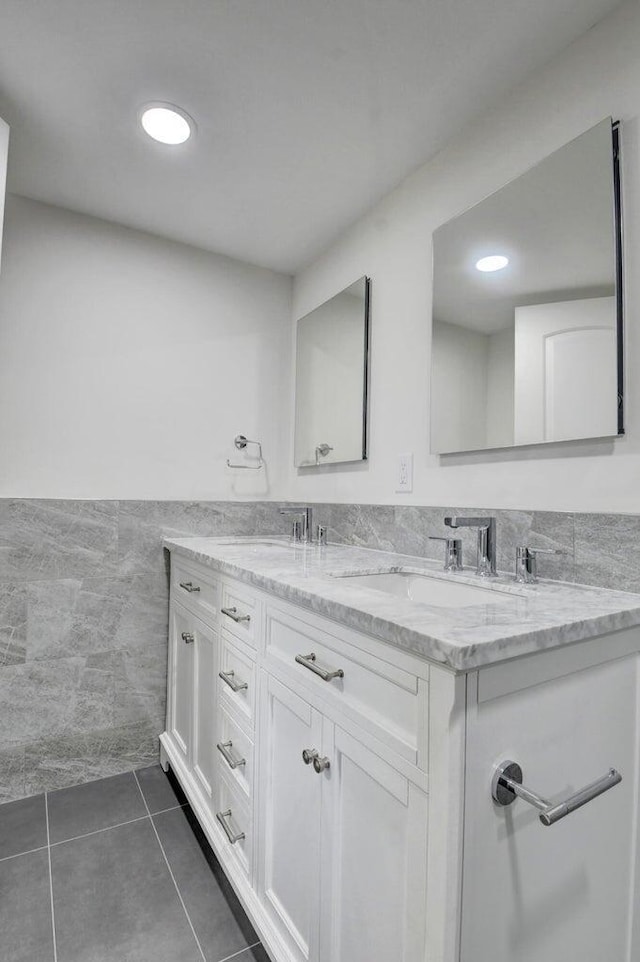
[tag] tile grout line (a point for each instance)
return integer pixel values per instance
(109, 828)
(235, 955)
(53, 914)
(173, 878)
(7, 858)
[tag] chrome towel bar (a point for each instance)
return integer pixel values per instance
(240, 443)
(507, 785)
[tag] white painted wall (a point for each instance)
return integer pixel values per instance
(458, 388)
(597, 76)
(129, 363)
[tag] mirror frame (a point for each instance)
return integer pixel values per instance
(619, 297)
(366, 377)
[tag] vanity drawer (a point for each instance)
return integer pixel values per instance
(233, 818)
(239, 611)
(236, 679)
(196, 588)
(234, 747)
(385, 699)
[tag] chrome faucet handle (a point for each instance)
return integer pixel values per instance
(527, 562)
(486, 528)
(306, 515)
(452, 552)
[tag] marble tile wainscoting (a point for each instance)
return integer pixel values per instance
(84, 602)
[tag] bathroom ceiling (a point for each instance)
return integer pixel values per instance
(308, 111)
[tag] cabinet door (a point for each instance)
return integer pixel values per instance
(180, 708)
(204, 653)
(291, 791)
(374, 859)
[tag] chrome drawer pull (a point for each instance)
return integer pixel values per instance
(229, 678)
(308, 755)
(309, 661)
(321, 764)
(189, 586)
(233, 614)
(187, 637)
(223, 748)
(507, 784)
(222, 816)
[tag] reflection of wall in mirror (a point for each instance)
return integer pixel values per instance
(472, 388)
(330, 381)
(565, 370)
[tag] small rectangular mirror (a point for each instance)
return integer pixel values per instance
(332, 351)
(527, 307)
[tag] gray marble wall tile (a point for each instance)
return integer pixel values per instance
(13, 624)
(608, 550)
(57, 539)
(12, 779)
(143, 525)
(51, 763)
(82, 616)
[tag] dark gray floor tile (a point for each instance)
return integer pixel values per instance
(23, 826)
(160, 791)
(114, 899)
(25, 909)
(94, 806)
(218, 918)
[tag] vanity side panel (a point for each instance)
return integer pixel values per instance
(447, 697)
(532, 892)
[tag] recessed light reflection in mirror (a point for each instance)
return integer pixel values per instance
(494, 262)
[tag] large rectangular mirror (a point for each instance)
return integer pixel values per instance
(527, 307)
(331, 379)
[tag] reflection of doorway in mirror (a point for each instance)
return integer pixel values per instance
(565, 370)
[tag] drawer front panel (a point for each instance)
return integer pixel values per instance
(235, 749)
(389, 701)
(236, 680)
(196, 588)
(233, 818)
(239, 610)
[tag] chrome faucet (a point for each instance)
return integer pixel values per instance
(304, 532)
(486, 563)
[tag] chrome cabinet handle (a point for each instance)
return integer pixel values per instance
(233, 614)
(507, 784)
(229, 678)
(308, 755)
(187, 637)
(309, 661)
(222, 817)
(189, 586)
(223, 748)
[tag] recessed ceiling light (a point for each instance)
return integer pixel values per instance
(495, 262)
(166, 123)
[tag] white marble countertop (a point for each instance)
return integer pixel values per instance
(532, 618)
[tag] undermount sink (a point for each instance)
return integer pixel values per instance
(440, 592)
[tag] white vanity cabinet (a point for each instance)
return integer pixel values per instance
(345, 785)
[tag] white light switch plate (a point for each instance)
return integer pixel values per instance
(404, 476)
